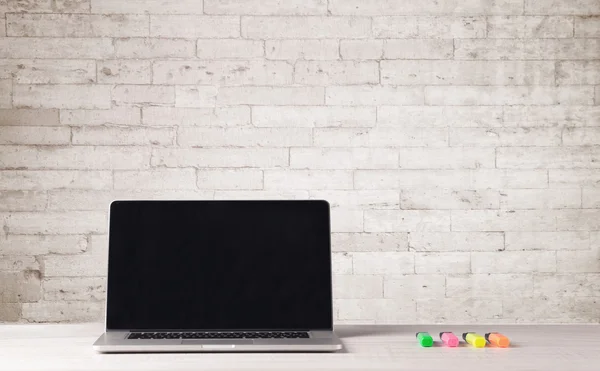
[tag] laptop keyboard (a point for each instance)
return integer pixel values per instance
(220, 335)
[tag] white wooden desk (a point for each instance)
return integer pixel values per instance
(551, 347)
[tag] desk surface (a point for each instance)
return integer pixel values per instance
(548, 347)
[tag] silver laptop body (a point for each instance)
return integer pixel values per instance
(219, 276)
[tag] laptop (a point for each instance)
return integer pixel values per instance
(219, 276)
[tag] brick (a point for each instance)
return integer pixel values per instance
(577, 220)
(64, 71)
(6, 93)
(74, 289)
(492, 220)
(359, 200)
(361, 49)
(423, 72)
(513, 261)
(310, 27)
(369, 242)
(580, 261)
(85, 158)
(19, 263)
(198, 96)
(26, 117)
(448, 199)
(41, 47)
(64, 311)
(142, 94)
(154, 48)
(120, 136)
(45, 180)
(220, 157)
(540, 198)
(387, 7)
(230, 48)
(444, 262)
(62, 96)
(10, 312)
(547, 157)
(446, 158)
(383, 262)
(269, 7)
(42, 245)
(302, 49)
(76, 25)
(507, 95)
(574, 178)
(560, 7)
(465, 309)
(428, 27)
(47, 6)
(343, 158)
(276, 96)
(156, 179)
(456, 241)
(56, 223)
(313, 116)
(124, 72)
(578, 72)
(357, 287)
(243, 137)
(230, 179)
(308, 179)
(380, 137)
(373, 95)
(547, 241)
(213, 72)
(381, 311)
(530, 49)
(35, 135)
(424, 116)
(84, 200)
(407, 221)
(147, 6)
(417, 49)
(550, 310)
(190, 26)
(529, 27)
(588, 26)
(260, 195)
(563, 285)
(336, 73)
(22, 200)
(341, 263)
(421, 286)
(118, 116)
(490, 286)
(552, 116)
(219, 117)
(346, 220)
(20, 287)
(497, 137)
(590, 198)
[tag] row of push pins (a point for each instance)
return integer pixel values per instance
(472, 338)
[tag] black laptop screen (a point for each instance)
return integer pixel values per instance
(219, 265)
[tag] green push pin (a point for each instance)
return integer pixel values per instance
(424, 339)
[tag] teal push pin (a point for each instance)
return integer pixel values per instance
(425, 339)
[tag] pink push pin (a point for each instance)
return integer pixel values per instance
(449, 339)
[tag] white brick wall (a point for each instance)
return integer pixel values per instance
(457, 142)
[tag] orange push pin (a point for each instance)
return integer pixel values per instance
(497, 339)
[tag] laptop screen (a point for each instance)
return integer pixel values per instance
(219, 265)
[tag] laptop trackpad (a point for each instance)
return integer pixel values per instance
(217, 342)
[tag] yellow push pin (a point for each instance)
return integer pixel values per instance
(474, 339)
